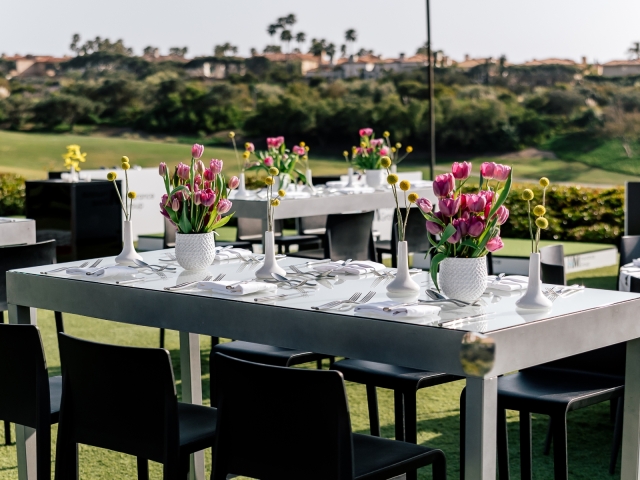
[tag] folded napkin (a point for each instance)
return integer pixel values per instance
(357, 190)
(410, 311)
(508, 284)
(101, 271)
(228, 255)
(242, 289)
(360, 267)
(636, 262)
(294, 195)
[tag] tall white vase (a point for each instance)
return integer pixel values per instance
(350, 175)
(242, 191)
(533, 298)
(128, 254)
(309, 186)
(195, 251)
(403, 283)
(270, 265)
(394, 168)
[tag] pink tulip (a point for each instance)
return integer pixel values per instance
(475, 203)
(175, 205)
(449, 206)
(249, 147)
(461, 230)
(215, 166)
(424, 204)
(207, 197)
(183, 171)
(384, 151)
(200, 168)
(376, 142)
(163, 200)
(234, 182)
(224, 206)
(197, 181)
(298, 150)
(366, 132)
(487, 194)
(197, 151)
(435, 228)
(208, 175)
(443, 185)
(476, 226)
(487, 170)
(197, 197)
(495, 244)
(503, 215)
(461, 171)
(162, 169)
(501, 172)
(268, 161)
(279, 141)
(163, 211)
(275, 142)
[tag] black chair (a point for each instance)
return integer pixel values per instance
(629, 248)
(250, 230)
(124, 399)
(415, 235)
(24, 256)
(348, 235)
(552, 265)
(28, 396)
(294, 423)
(311, 232)
(635, 285)
(169, 234)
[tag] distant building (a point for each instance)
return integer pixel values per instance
(217, 68)
(553, 61)
(468, 63)
(35, 65)
(307, 61)
(621, 68)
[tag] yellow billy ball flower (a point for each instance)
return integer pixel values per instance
(306, 148)
(363, 145)
(392, 179)
(247, 144)
(302, 144)
(409, 149)
(125, 166)
(544, 182)
(386, 134)
(274, 171)
(232, 134)
(345, 153)
(131, 195)
(542, 223)
(268, 181)
(385, 162)
(246, 154)
(393, 149)
(111, 176)
(539, 210)
(527, 194)
(281, 193)
(405, 185)
(413, 197)
(124, 159)
(305, 157)
(354, 149)
(398, 145)
(275, 202)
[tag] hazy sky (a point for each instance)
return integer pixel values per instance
(522, 30)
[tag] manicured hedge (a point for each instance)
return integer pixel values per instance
(12, 194)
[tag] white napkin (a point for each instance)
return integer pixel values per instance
(227, 255)
(508, 284)
(357, 190)
(411, 311)
(242, 289)
(101, 271)
(294, 195)
(360, 267)
(636, 262)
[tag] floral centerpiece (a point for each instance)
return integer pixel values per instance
(279, 156)
(128, 256)
(273, 200)
(468, 226)
(195, 202)
(72, 159)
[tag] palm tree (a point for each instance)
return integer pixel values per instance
(343, 50)
(317, 47)
(290, 20)
(272, 29)
(286, 36)
(331, 51)
(301, 37)
(350, 36)
(635, 50)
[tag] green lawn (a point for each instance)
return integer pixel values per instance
(519, 247)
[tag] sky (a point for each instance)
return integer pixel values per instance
(601, 30)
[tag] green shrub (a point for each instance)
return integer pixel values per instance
(12, 194)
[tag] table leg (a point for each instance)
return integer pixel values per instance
(480, 428)
(191, 374)
(631, 424)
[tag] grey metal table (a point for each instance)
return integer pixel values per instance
(503, 341)
(17, 231)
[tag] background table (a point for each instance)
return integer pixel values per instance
(17, 231)
(515, 339)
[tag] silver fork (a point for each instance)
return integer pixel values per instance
(82, 265)
(96, 263)
(364, 299)
(188, 284)
(551, 294)
(335, 303)
(234, 285)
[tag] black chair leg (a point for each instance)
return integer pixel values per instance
(560, 464)
(332, 360)
(59, 322)
(374, 419)
(7, 433)
(549, 438)
(617, 436)
(439, 468)
(503, 445)
(319, 364)
(215, 341)
(43, 451)
(162, 338)
(613, 408)
(525, 446)
(398, 402)
(143, 468)
(463, 416)
(410, 425)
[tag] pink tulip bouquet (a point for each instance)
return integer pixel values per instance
(371, 150)
(279, 156)
(197, 196)
(468, 224)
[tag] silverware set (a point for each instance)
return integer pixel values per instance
(351, 301)
(553, 293)
(60, 269)
(181, 286)
(302, 293)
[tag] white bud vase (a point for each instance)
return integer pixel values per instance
(533, 298)
(403, 283)
(394, 168)
(242, 191)
(309, 186)
(128, 254)
(270, 265)
(350, 181)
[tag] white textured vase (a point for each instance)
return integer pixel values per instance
(533, 298)
(128, 254)
(350, 175)
(195, 251)
(374, 178)
(403, 283)
(242, 191)
(281, 181)
(463, 278)
(270, 265)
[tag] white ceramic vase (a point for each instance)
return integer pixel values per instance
(533, 298)
(281, 181)
(403, 283)
(374, 178)
(128, 254)
(350, 175)
(394, 168)
(270, 265)
(242, 191)
(195, 251)
(463, 278)
(309, 186)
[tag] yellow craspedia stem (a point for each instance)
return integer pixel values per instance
(275, 202)
(409, 149)
(405, 185)
(527, 194)
(542, 223)
(111, 176)
(281, 193)
(268, 181)
(386, 134)
(125, 166)
(539, 210)
(385, 162)
(131, 195)
(392, 179)
(232, 134)
(274, 171)
(544, 182)
(412, 197)
(124, 159)
(305, 157)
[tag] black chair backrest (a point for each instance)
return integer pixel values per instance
(415, 234)
(312, 225)
(278, 422)
(635, 285)
(606, 361)
(24, 396)
(252, 227)
(552, 265)
(119, 398)
(629, 248)
(23, 256)
(169, 234)
(350, 235)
